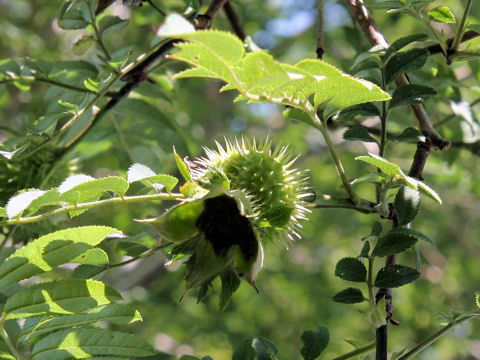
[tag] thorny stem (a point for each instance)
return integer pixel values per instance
(338, 164)
(431, 339)
(356, 352)
(93, 204)
(461, 27)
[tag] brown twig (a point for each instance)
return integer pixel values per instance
(234, 20)
(320, 27)
(437, 49)
(360, 13)
(433, 139)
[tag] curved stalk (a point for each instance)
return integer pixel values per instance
(90, 205)
(336, 160)
(431, 339)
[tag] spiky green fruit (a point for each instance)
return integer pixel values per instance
(239, 198)
(269, 191)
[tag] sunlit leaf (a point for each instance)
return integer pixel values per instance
(442, 14)
(113, 313)
(50, 251)
(19, 203)
(67, 296)
(87, 343)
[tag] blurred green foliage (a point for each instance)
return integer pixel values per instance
(297, 286)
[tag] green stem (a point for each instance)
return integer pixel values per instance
(461, 28)
(435, 33)
(126, 262)
(338, 164)
(329, 202)
(47, 81)
(371, 297)
(430, 340)
(4, 335)
(98, 36)
(358, 351)
(93, 204)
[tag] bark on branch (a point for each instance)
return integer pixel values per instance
(366, 22)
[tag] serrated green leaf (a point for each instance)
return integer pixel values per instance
(71, 18)
(82, 188)
(414, 233)
(372, 178)
(255, 348)
(393, 243)
(17, 204)
(411, 94)
(81, 46)
(259, 78)
(224, 45)
(362, 110)
(386, 166)
(395, 275)
(50, 251)
(297, 114)
(67, 296)
(349, 296)
(113, 313)
(358, 133)
(140, 172)
(94, 256)
(314, 343)
(83, 343)
(162, 180)
(403, 62)
(179, 222)
(442, 14)
(111, 24)
(427, 190)
(365, 61)
(135, 245)
(406, 204)
(409, 135)
(351, 269)
(401, 43)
